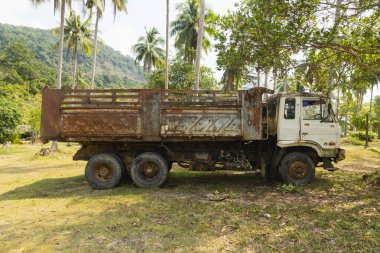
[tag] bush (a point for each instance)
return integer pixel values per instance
(360, 135)
(10, 117)
(352, 141)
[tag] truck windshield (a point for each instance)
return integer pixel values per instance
(316, 109)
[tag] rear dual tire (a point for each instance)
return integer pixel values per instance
(149, 170)
(104, 171)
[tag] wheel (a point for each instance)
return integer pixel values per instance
(297, 168)
(149, 170)
(124, 174)
(104, 171)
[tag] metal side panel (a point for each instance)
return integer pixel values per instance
(200, 123)
(151, 114)
(251, 115)
(100, 123)
(51, 101)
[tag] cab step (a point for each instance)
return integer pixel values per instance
(327, 165)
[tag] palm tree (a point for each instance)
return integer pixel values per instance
(99, 5)
(167, 47)
(186, 26)
(148, 50)
(58, 4)
(199, 44)
(78, 34)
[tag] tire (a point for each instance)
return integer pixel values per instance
(104, 171)
(297, 168)
(124, 173)
(149, 170)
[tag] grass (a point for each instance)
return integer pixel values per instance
(46, 206)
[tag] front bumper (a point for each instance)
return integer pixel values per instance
(340, 156)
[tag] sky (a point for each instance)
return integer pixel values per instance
(119, 33)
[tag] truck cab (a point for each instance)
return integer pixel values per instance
(304, 124)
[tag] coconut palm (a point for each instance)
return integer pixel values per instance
(197, 66)
(58, 4)
(186, 26)
(78, 35)
(148, 50)
(167, 47)
(99, 5)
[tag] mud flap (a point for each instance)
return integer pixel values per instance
(267, 171)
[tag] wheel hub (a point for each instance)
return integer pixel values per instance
(150, 170)
(298, 170)
(103, 173)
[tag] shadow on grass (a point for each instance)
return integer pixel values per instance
(178, 181)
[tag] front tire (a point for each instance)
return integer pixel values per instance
(297, 168)
(149, 170)
(104, 171)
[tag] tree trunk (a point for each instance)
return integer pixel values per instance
(74, 65)
(61, 37)
(346, 118)
(370, 101)
(266, 77)
(54, 146)
(230, 80)
(274, 78)
(95, 50)
(258, 76)
(197, 65)
(167, 47)
(286, 82)
(362, 92)
(337, 103)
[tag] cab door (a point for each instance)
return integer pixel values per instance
(317, 125)
(288, 130)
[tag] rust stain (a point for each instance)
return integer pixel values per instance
(152, 115)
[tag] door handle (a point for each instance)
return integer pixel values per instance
(304, 133)
(307, 124)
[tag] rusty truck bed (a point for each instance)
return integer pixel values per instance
(152, 115)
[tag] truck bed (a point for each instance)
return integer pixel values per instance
(152, 115)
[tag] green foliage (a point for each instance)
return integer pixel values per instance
(181, 77)
(78, 33)
(185, 29)
(18, 67)
(361, 135)
(351, 141)
(42, 47)
(358, 120)
(148, 50)
(10, 117)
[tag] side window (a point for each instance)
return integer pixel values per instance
(312, 109)
(290, 108)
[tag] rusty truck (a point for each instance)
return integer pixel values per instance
(141, 133)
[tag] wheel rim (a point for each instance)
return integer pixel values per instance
(149, 170)
(103, 172)
(298, 170)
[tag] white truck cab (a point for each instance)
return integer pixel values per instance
(306, 131)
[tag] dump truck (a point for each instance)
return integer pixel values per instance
(141, 133)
